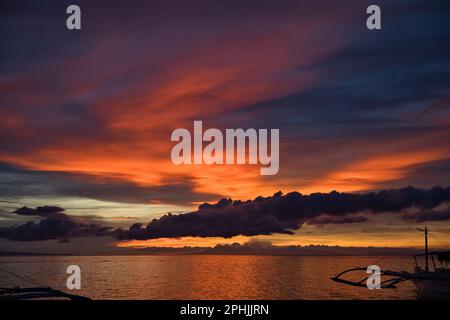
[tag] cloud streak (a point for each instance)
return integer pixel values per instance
(428, 215)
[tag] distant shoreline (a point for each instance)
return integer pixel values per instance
(316, 251)
(22, 254)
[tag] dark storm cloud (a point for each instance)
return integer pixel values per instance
(55, 225)
(42, 211)
(261, 216)
(282, 213)
(52, 228)
(16, 182)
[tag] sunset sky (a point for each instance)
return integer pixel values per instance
(86, 116)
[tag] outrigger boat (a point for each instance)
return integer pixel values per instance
(433, 280)
(37, 293)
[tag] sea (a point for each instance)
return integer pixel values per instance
(205, 276)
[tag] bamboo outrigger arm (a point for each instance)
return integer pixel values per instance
(396, 277)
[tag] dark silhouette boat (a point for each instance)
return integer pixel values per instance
(37, 293)
(431, 280)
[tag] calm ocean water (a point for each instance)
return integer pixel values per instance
(207, 277)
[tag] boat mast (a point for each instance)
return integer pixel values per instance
(426, 249)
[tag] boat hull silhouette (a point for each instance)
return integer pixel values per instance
(430, 280)
(434, 287)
